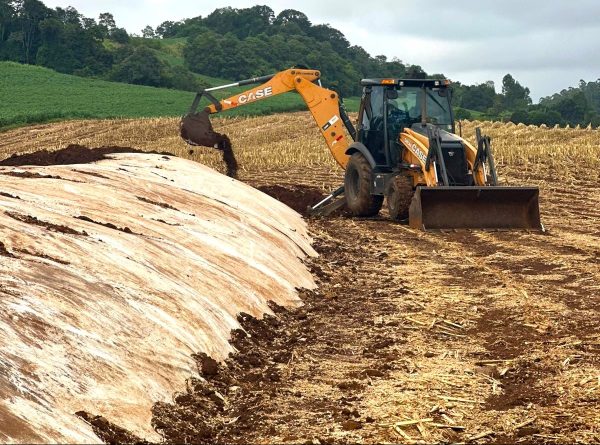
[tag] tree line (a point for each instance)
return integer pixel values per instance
(574, 106)
(234, 43)
(64, 40)
(241, 43)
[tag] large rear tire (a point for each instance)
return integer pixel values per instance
(357, 188)
(399, 196)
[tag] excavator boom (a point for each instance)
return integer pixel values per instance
(323, 104)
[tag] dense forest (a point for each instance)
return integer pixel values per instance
(239, 43)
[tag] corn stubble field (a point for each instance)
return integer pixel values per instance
(467, 336)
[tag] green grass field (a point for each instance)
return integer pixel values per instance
(32, 94)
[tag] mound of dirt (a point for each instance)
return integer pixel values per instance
(112, 273)
(298, 197)
(73, 154)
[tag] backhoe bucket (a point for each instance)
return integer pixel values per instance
(475, 208)
(196, 129)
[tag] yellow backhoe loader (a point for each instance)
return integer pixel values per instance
(404, 149)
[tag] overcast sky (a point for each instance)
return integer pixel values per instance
(546, 45)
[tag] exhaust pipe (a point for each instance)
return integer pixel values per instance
(475, 208)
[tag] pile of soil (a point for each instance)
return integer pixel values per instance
(73, 154)
(78, 154)
(298, 197)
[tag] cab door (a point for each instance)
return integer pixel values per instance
(371, 119)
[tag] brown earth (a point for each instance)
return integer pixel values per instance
(298, 198)
(78, 154)
(73, 154)
(482, 336)
(473, 336)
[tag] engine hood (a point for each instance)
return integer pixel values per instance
(445, 135)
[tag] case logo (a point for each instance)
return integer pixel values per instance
(259, 94)
(415, 150)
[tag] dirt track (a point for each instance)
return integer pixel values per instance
(495, 333)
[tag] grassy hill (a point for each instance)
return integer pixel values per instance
(32, 94)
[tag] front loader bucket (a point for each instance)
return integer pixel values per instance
(196, 129)
(475, 208)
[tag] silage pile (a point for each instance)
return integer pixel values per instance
(113, 273)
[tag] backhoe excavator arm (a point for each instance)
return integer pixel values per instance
(324, 105)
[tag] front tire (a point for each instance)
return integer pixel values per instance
(357, 188)
(399, 196)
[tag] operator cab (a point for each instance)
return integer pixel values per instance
(390, 105)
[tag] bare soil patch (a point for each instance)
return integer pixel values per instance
(504, 337)
(298, 197)
(73, 154)
(522, 387)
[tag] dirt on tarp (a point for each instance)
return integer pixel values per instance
(298, 197)
(109, 432)
(196, 129)
(73, 154)
(52, 227)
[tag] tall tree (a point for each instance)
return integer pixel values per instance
(477, 97)
(165, 29)
(515, 95)
(107, 24)
(107, 19)
(7, 16)
(29, 15)
(291, 16)
(148, 32)
(143, 67)
(69, 15)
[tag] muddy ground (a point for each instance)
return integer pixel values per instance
(468, 336)
(482, 336)
(72, 154)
